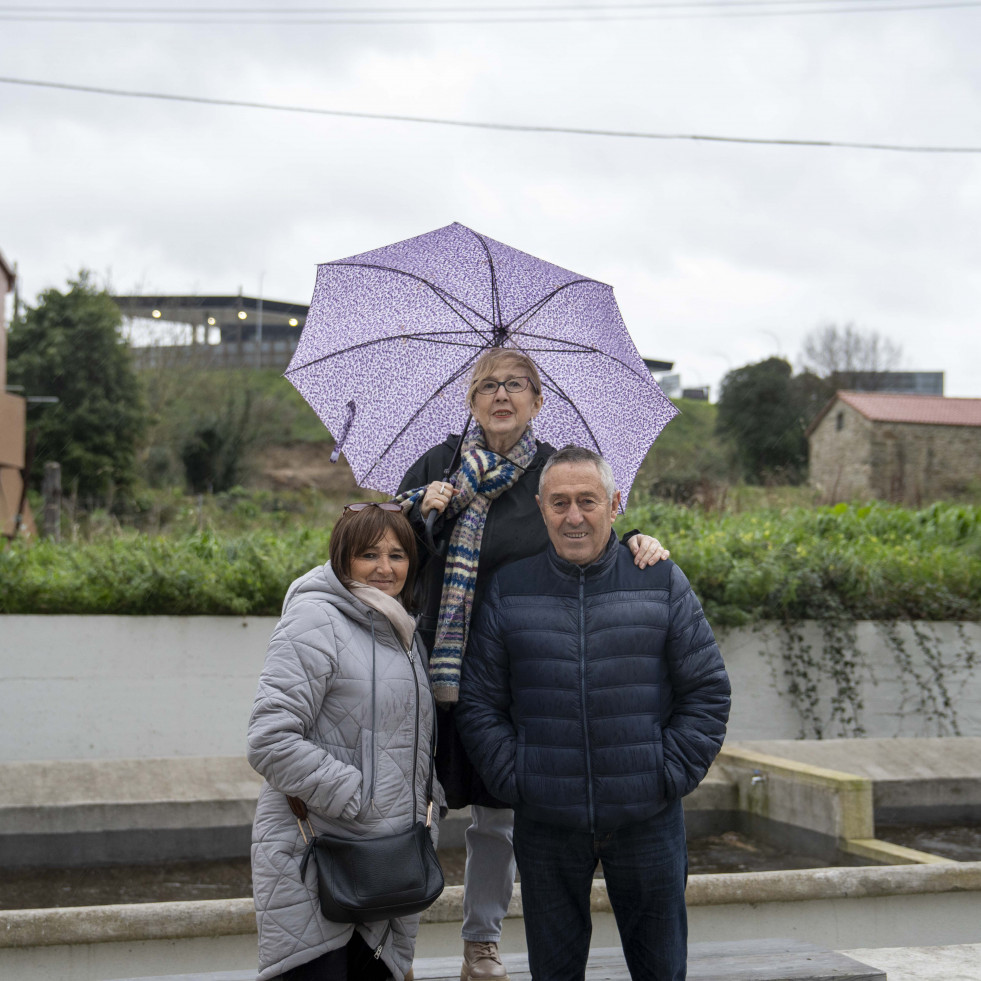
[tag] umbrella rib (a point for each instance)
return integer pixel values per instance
(558, 390)
(415, 415)
(495, 295)
(379, 340)
(536, 308)
(538, 304)
(438, 290)
(583, 349)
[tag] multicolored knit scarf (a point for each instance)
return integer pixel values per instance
(483, 475)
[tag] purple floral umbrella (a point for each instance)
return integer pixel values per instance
(391, 335)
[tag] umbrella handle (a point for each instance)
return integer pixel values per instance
(431, 517)
(428, 533)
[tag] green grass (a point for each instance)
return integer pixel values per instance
(236, 553)
(873, 561)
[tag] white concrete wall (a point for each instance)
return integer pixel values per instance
(896, 700)
(74, 687)
(77, 687)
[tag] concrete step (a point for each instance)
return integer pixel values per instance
(56, 813)
(743, 960)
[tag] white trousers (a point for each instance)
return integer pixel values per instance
(488, 880)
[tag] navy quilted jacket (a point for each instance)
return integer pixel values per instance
(592, 696)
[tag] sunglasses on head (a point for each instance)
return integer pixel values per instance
(384, 505)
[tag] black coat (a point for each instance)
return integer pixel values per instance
(514, 530)
(592, 696)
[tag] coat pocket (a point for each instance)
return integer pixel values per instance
(659, 762)
(520, 781)
(367, 774)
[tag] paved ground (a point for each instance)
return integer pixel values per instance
(961, 962)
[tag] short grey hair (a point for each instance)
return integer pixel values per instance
(579, 454)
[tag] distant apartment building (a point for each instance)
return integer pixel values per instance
(907, 382)
(904, 448)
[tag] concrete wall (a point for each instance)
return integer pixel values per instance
(74, 687)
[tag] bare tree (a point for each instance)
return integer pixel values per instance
(850, 358)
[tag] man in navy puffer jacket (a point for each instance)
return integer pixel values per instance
(593, 699)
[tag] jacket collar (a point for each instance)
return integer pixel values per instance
(569, 570)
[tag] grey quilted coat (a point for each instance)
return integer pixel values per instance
(316, 733)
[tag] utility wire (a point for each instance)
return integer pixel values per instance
(470, 124)
(439, 9)
(258, 16)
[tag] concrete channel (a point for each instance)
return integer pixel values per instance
(816, 796)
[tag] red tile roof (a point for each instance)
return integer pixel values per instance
(932, 410)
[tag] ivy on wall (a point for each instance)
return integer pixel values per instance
(825, 680)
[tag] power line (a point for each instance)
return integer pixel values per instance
(438, 9)
(705, 10)
(471, 124)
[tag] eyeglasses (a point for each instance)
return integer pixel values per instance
(384, 505)
(513, 385)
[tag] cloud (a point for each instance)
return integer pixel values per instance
(720, 254)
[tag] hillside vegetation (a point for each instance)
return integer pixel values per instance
(870, 562)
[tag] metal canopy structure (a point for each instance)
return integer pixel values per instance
(237, 318)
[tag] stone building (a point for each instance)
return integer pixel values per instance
(904, 448)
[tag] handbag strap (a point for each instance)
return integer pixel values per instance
(298, 805)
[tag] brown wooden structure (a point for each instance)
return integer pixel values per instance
(15, 512)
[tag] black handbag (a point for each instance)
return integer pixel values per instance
(368, 879)
(363, 880)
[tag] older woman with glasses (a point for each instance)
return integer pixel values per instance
(343, 724)
(487, 515)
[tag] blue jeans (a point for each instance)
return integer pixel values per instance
(646, 868)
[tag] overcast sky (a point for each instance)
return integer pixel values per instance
(721, 254)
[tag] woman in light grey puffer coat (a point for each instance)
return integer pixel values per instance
(360, 764)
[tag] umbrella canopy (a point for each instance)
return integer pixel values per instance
(391, 335)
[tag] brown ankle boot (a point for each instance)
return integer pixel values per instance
(482, 962)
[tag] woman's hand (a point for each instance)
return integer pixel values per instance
(438, 494)
(647, 551)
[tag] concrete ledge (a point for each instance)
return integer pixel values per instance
(838, 883)
(228, 917)
(886, 853)
(915, 781)
(96, 812)
(818, 799)
(79, 812)
(136, 922)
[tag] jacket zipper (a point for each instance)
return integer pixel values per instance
(381, 943)
(582, 695)
(415, 744)
(371, 787)
(415, 738)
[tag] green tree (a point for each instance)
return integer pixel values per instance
(689, 459)
(763, 409)
(71, 346)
